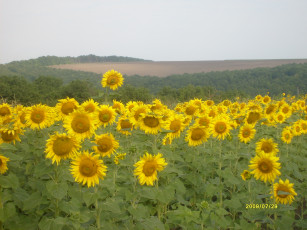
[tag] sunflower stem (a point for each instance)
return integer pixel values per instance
(1, 207)
(220, 170)
(97, 211)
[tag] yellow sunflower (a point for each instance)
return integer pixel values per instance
(246, 175)
(284, 192)
(209, 103)
(266, 99)
(280, 117)
(253, 116)
(150, 123)
(286, 110)
(80, 124)
(303, 124)
(118, 107)
(265, 167)
(61, 146)
(5, 111)
(246, 133)
(90, 106)
(197, 135)
(146, 169)
(175, 125)
(3, 164)
(203, 120)
(136, 113)
(65, 107)
(286, 135)
(296, 129)
(40, 116)
(8, 135)
(191, 109)
(106, 144)
(106, 115)
(20, 117)
(124, 125)
(267, 145)
(220, 127)
(112, 79)
(87, 168)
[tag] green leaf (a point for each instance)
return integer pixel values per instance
(139, 212)
(57, 190)
(6, 146)
(32, 201)
(152, 223)
(9, 181)
(8, 210)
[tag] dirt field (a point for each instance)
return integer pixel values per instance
(166, 68)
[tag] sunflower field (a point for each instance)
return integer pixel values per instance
(194, 165)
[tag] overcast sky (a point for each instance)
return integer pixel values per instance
(159, 30)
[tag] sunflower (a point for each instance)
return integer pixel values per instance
(20, 117)
(267, 145)
(131, 104)
(303, 124)
(136, 114)
(296, 129)
(286, 135)
(209, 103)
(90, 106)
(286, 110)
(246, 175)
(280, 117)
(284, 192)
(167, 140)
(150, 123)
(61, 146)
(146, 169)
(66, 106)
(87, 168)
(270, 109)
(112, 79)
(106, 144)
(246, 133)
(196, 135)
(118, 107)
(40, 116)
(124, 125)
(3, 164)
(119, 156)
(220, 127)
(258, 98)
(191, 109)
(252, 117)
(8, 135)
(266, 99)
(5, 111)
(265, 167)
(80, 124)
(175, 125)
(203, 120)
(106, 115)
(157, 106)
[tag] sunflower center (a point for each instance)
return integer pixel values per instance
(197, 134)
(287, 136)
(38, 116)
(80, 124)
(149, 168)
(68, 107)
(112, 80)
(267, 147)
(175, 126)
(283, 189)
(246, 133)
(4, 111)
(137, 114)
(0, 162)
(190, 110)
(151, 122)
(104, 116)
(220, 127)
(7, 137)
(125, 124)
(270, 109)
(87, 168)
(104, 144)
(253, 117)
(204, 122)
(265, 166)
(62, 146)
(280, 117)
(90, 108)
(285, 110)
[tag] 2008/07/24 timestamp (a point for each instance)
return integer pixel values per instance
(248, 206)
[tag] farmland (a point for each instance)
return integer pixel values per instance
(166, 68)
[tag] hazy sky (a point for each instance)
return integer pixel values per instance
(160, 30)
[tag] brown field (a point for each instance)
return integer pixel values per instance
(166, 68)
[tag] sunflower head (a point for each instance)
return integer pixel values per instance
(246, 133)
(112, 79)
(283, 192)
(61, 146)
(66, 106)
(267, 145)
(246, 175)
(146, 169)
(197, 135)
(265, 167)
(105, 144)
(106, 115)
(90, 106)
(3, 164)
(87, 168)
(40, 116)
